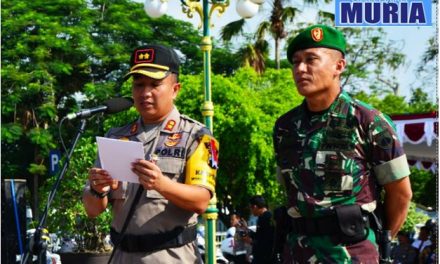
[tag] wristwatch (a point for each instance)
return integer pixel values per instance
(98, 194)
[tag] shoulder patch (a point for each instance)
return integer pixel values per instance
(201, 167)
(384, 140)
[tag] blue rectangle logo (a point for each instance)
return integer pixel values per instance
(380, 13)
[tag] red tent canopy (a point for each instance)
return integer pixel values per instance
(419, 135)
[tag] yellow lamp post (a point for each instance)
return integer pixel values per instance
(205, 9)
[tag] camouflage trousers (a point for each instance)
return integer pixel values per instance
(325, 249)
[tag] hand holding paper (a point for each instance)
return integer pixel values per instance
(116, 157)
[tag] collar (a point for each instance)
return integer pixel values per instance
(339, 101)
(169, 125)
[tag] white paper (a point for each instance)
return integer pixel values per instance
(117, 155)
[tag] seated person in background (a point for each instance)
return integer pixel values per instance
(403, 252)
(422, 241)
(429, 253)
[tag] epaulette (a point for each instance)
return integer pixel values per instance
(126, 130)
(203, 129)
(357, 102)
(191, 120)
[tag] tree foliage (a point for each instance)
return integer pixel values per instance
(413, 218)
(280, 16)
(390, 104)
(424, 187)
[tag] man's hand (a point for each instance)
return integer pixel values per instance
(101, 181)
(150, 175)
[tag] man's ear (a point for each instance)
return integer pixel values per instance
(340, 65)
(176, 89)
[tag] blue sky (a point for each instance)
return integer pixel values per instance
(413, 39)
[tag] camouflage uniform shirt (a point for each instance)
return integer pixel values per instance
(337, 157)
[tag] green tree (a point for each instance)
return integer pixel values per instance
(390, 103)
(371, 60)
(420, 102)
(275, 26)
(413, 218)
(423, 184)
(428, 68)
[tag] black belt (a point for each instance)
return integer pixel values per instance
(318, 226)
(177, 237)
(325, 225)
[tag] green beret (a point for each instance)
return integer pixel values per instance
(317, 36)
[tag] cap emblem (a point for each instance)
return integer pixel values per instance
(317, 34)
(144, 56)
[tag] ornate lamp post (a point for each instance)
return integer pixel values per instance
(205, 9)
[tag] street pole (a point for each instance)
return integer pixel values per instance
(210, 214)
(205, 9)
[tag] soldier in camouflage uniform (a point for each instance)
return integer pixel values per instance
(334, 154)
(176, 178)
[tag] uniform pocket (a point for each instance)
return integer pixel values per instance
(120, 192)
(334, 168)
(170, 167)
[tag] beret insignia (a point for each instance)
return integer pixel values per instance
(317, 34)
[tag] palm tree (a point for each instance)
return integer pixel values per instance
(253, 55)
(274, 26)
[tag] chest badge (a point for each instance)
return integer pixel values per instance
(173, 140)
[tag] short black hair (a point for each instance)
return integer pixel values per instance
(258, 200)
(235, 213)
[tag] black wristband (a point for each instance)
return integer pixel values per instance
(98, 194)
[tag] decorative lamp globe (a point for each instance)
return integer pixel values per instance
(246, 8)
(155, 8)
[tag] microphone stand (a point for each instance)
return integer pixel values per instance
(39, 246)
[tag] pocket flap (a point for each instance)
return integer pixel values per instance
(170, 165)
(350, 220)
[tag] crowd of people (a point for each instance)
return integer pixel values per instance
(422, 250)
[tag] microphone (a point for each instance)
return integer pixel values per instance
(111, 106)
